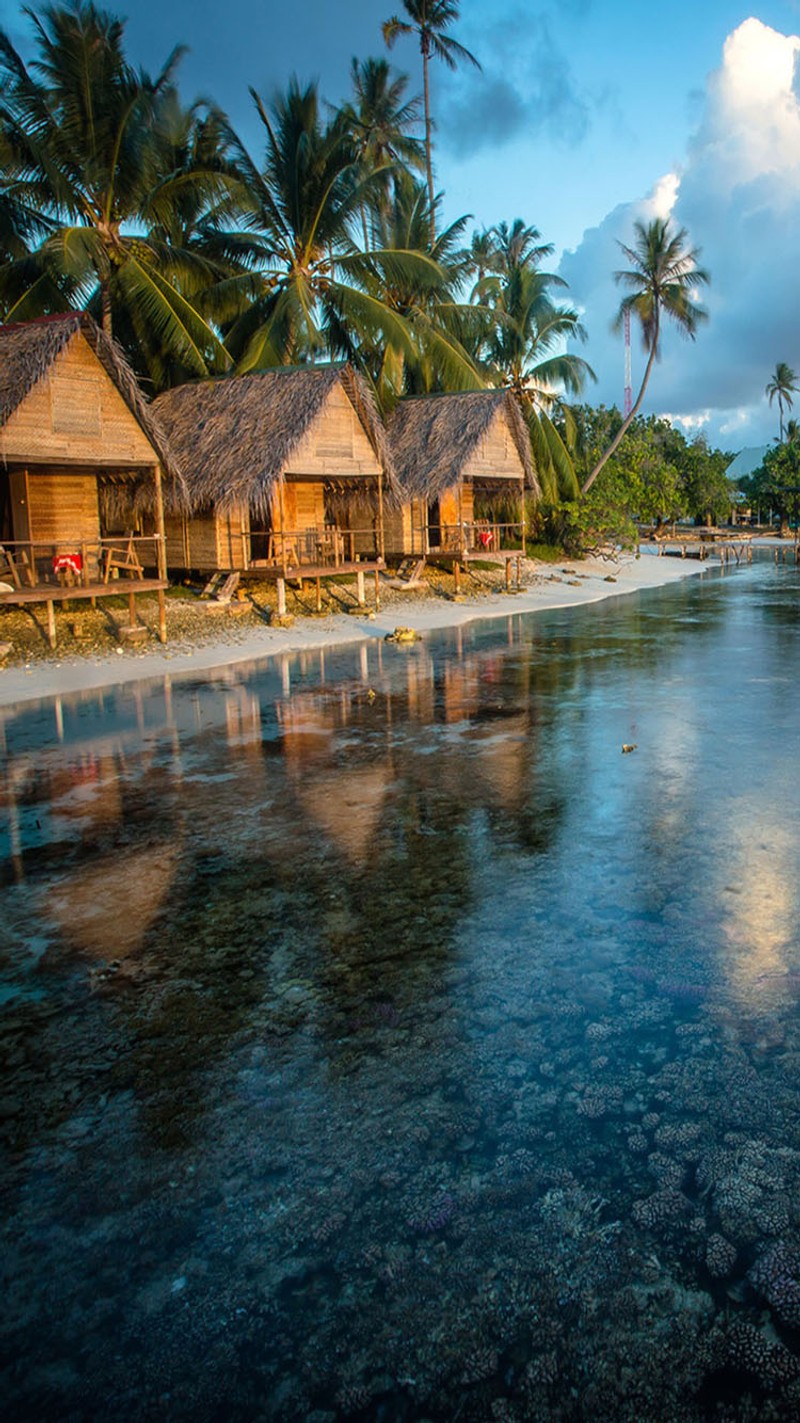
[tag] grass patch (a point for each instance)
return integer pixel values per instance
(546, 553)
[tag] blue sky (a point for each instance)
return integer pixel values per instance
(588, 114)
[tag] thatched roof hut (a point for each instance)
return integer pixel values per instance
(236, 437)
(29, 352)
(435, 440)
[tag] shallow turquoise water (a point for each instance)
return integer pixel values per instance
(381, 1043)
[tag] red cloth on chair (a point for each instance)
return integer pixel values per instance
(68, 563)
(485, 538)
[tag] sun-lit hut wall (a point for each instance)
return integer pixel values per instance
(467, 452)
(279, 454)
(77, 439)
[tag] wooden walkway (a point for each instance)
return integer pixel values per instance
(726, 550)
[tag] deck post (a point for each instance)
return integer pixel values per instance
(283, 524)
(519, 571)
(281, 586)
(360, 589)
(457, 577)
(377, 590)
(162, 616)
(132, 609)
(381, 541)
(318, 581)
(51, 623)
(161, 533)
(508, 575)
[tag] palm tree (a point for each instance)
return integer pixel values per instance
(783, 384)
(663, 277)
(526, 351)
(446, 332)
(379, 120)
(84, 141)
(518, 246)
(301, 209)
(429, 19)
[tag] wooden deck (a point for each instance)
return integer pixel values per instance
(316, 572)
(50, 594)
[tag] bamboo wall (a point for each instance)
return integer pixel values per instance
(208, 542)
(303, 507)
(55, 506)
(75, 415)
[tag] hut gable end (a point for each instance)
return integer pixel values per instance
(439, 440)
(73, 414)
(335, 443)
(495, 455)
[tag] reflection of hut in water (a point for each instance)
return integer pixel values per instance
(107, 915)
(343, 801)
(80, 451)
(287, 470)
(463, 463)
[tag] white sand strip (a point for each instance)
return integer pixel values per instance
(554, 588)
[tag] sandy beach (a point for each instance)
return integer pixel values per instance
(567, 584)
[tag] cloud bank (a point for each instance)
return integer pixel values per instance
(738, 196)
(522, 88)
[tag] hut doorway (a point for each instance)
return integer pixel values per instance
(434, 524)
(260, 537)
(6, 518)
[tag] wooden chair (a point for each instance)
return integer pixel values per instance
(283, 547)
(14, 562)
(124, 558)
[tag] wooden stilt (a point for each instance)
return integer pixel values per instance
(281, 586)
(319, 594)
(360, 589)
(132, 609)
(508, 574)
(51, 622)
(519, 571)
(377, 590)
(457, 577)
(162, 616)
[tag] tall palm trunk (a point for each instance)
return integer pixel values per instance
(628, 421)
(105, 306)
(425, 46)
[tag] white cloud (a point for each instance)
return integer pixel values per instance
(738, 195)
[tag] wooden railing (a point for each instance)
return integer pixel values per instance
(323, 547)
(479, 536)
(67, 562)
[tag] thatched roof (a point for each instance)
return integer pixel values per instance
(433, 436)
(235, 436)
(28, 350)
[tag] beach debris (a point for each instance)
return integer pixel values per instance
(628, 746)
(609, 578)
(402, 634)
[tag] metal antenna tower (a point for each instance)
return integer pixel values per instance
(627, 398)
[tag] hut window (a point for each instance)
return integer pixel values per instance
(75, 406)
